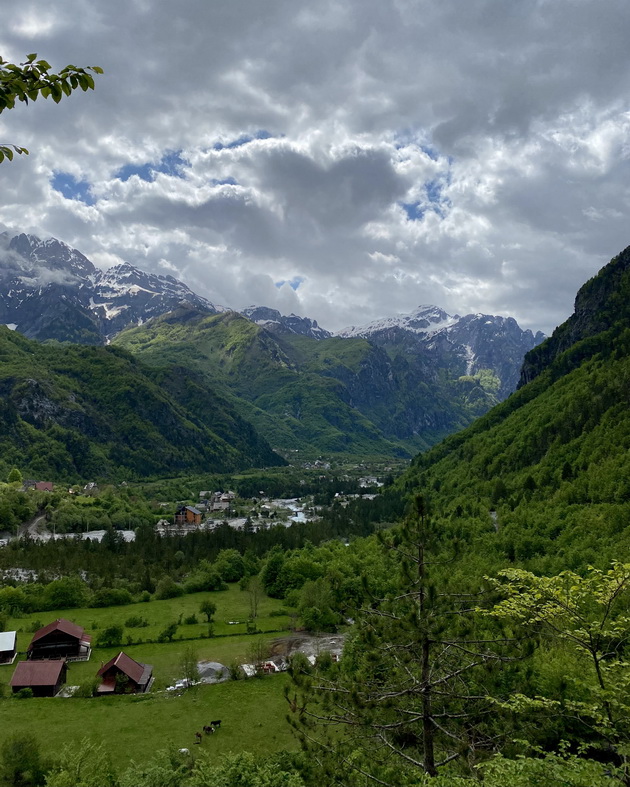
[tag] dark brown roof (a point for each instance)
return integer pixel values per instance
(61, 624)
(126, 664)
(37, 673)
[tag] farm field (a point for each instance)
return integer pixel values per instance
(232, 605)
(252, 712)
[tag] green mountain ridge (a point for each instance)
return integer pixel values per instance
(77, 412)
(318, 395)
(552, 462)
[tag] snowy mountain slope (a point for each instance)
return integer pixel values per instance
(49, 290)
(465, 345)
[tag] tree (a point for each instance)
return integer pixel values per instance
(14, 475)
(411, 690)
(257, 654)
(82, 764)
(168, 633)
(112, 635)
(33, 78)
(255, 592)
(588, 614)
(208, 608)
(188, 666)
(315, 606)
(229, 565)
(21, 763)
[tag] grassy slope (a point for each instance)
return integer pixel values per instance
(294, 407)
(252, 713)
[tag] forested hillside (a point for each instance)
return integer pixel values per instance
(76, 412)
(552, 461)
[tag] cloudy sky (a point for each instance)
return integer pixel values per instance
(341, 159)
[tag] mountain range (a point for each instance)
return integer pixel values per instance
(392, 387)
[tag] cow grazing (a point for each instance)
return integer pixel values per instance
(215, 723)
(184, 751)
(208, 729)
(198, 737)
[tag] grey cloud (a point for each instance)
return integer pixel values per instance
(337, 82)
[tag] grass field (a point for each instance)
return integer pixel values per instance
(252, 711)
(232, 605)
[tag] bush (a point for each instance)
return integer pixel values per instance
(112, 597)
(168, 588)
(87, 688)
(35, 625)
(112, 635)
(168, 633)
(236, 673)
(136, 622)
(191, 620)
(204, 579)
(24, 694)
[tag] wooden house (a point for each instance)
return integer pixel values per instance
(60, 639)
(8, 646)
(124, 675)
(187, 515)
(45, 678)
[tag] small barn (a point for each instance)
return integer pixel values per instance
(45, 678)
(8, 646)
(124, 675)
(60, 639)
(187, 515)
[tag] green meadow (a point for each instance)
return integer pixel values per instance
(230, 618)
(252, 711)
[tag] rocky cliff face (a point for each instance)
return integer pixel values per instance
(273, 321)
(602, 304)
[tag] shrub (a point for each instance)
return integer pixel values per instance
(136, 622)
(24, 694)
(87, 688)
(168, 633)
(112, 597)
(112, 635)
(236, 673)
(168, 588)
(191, 620)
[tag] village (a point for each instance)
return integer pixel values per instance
(211, 510)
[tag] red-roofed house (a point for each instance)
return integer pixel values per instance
(60, 639)
(44, 678)
(124, 675)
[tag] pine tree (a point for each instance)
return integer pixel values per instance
(411, 693)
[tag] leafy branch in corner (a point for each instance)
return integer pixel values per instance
(33, 78)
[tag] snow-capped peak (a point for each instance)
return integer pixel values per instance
(426, 319)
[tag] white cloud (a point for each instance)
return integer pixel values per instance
(504, 128)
